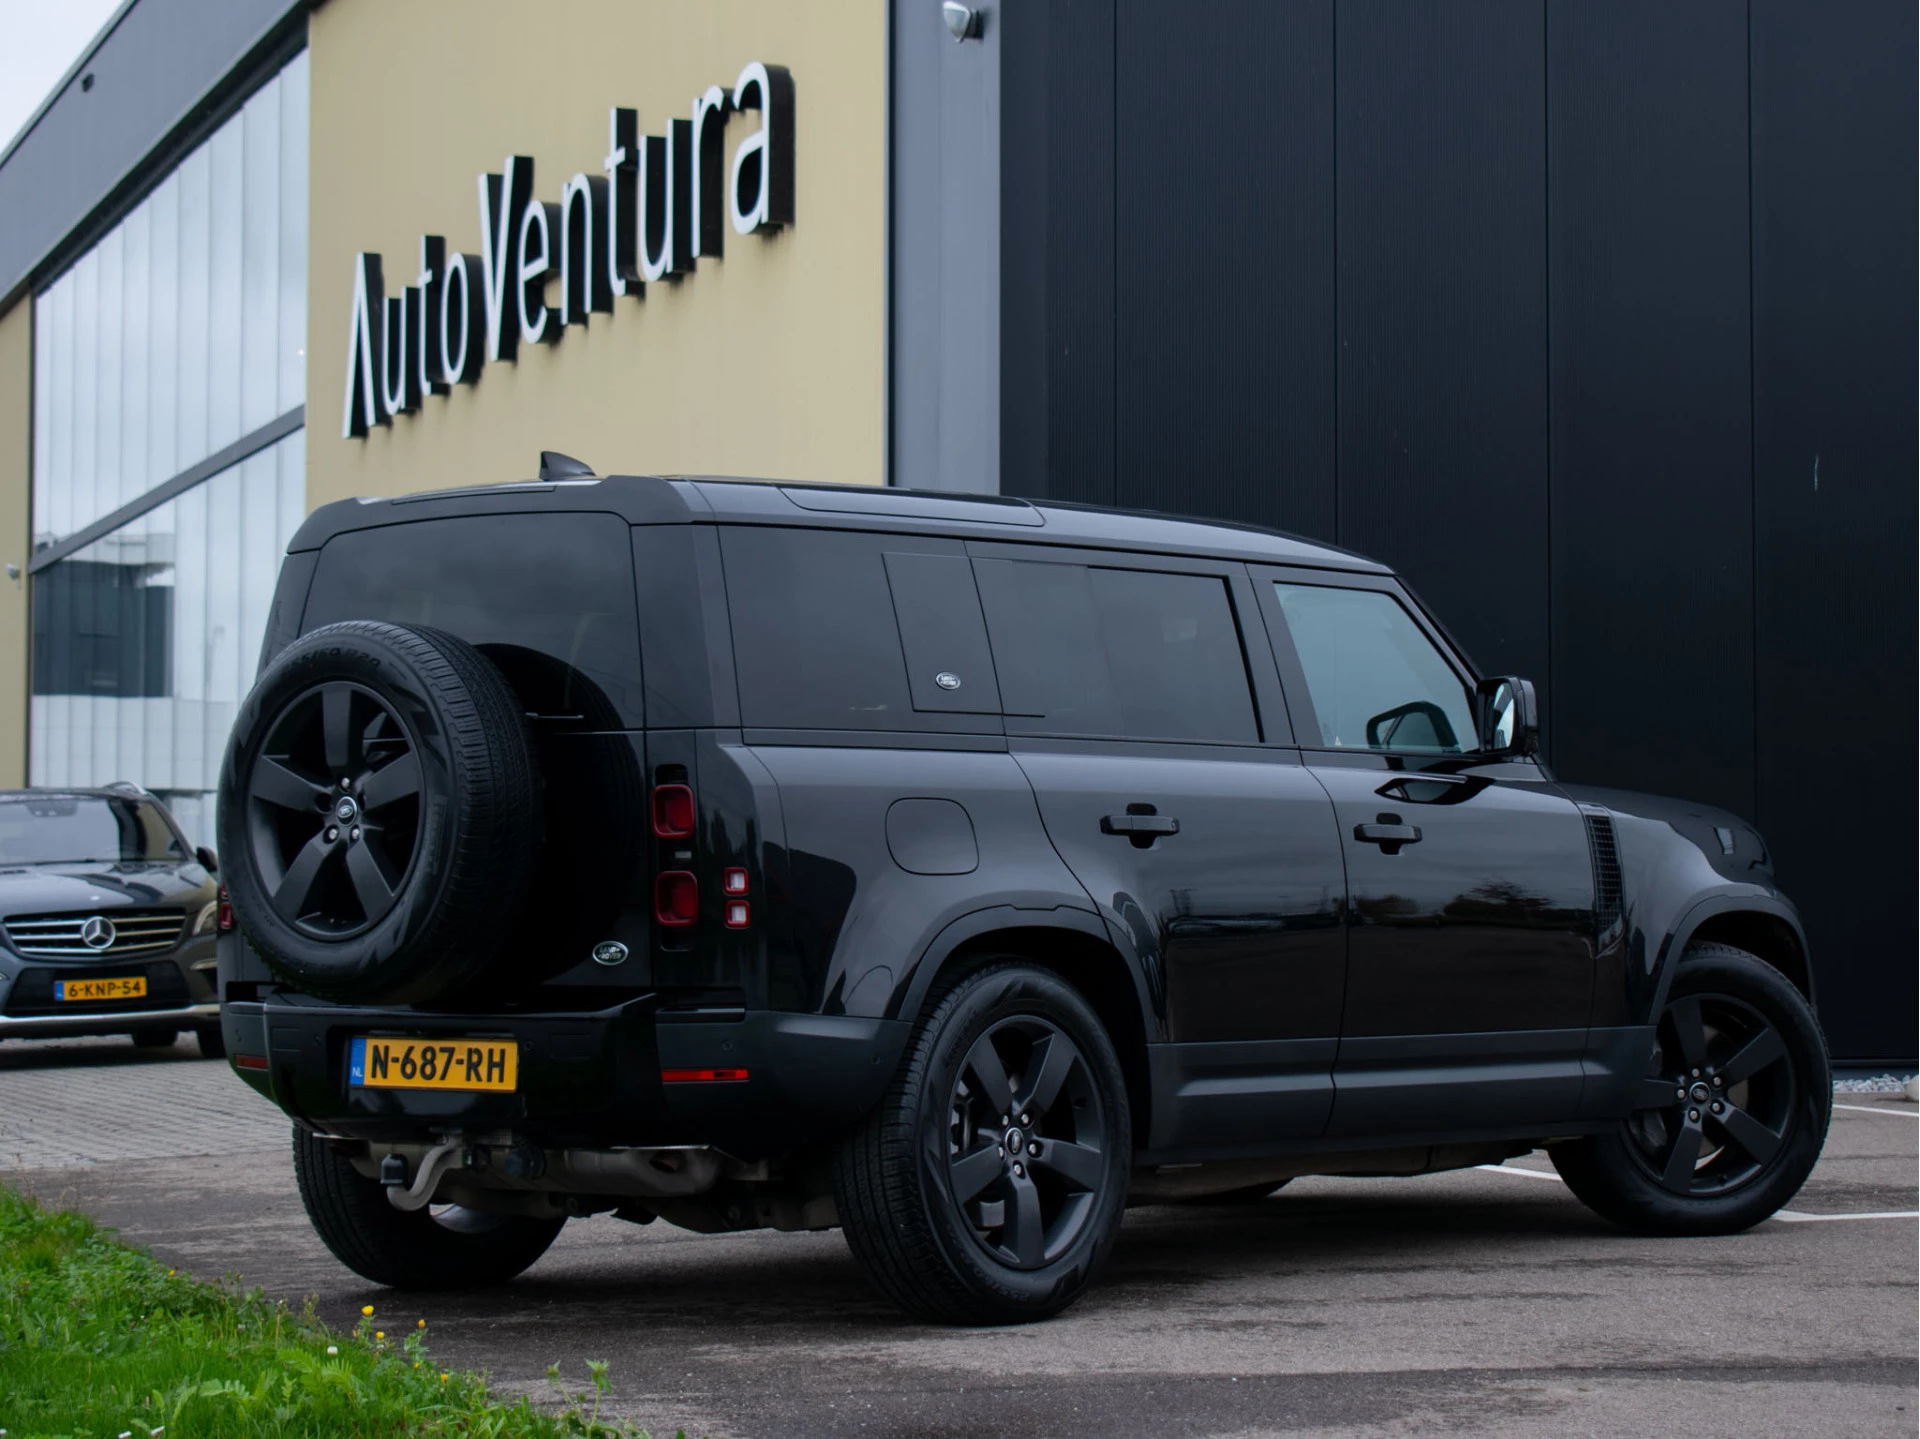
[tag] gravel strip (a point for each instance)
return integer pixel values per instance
(1877, 1084)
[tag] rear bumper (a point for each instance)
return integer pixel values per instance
(586, 1080)
(120, 1021)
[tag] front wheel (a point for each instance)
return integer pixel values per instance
(987, 1186)
(440, 1247)
(1731, 1114)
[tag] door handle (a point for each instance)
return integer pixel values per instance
(1139, 824)
(1140, 829)
(1388, 833)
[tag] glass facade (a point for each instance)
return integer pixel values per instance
(179, 332)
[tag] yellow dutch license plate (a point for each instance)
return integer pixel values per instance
(81, 991)
(478, 1064)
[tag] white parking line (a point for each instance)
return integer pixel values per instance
(1523, 1173)
(1876, 1109)
(1789, 1215)
(1794, 1218)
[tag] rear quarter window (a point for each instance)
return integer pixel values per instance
(817, 617)
(549, 598)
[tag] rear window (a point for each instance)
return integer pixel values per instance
(1088, 650)
(549, 598)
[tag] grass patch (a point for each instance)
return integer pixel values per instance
(97, 1341)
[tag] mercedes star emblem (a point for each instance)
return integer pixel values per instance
(97, 933)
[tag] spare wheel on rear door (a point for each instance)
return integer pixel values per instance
(379, 813)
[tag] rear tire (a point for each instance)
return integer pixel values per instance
(987, 1186)
(1732, 1114)
(456, 1249)
(212, 1042)
(154, 1036)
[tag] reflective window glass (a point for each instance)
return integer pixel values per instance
(549, 598)
(814, 638)
(1375, 679)
(1095, 651)
(184, 327)
(144, 641)
(181, 330)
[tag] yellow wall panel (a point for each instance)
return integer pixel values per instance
(768, 361)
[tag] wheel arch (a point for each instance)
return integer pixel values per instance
(1766, 928)
(1071, 942)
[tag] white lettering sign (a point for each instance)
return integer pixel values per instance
(666, 202)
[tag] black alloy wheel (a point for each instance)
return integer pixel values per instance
(1024, 1155)
(988, 1184)
(1731, 1115)
(1719, 1100)
(334, 801)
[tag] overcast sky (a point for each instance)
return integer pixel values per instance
(38, 40)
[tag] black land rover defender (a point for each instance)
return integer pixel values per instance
(955, 871)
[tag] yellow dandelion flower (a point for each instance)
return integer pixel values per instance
(379, 1334)
(423, 1324)
(367, 1309)
(416, 1364)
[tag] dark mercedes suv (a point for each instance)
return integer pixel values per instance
(107, 919)
(955, 871)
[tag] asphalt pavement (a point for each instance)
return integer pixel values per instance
(1479, 1302)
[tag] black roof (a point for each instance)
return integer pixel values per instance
(705, 499)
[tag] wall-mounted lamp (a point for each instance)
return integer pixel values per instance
(963, 21)
(13, 573)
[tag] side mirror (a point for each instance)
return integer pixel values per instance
(207, 860)
(1508, 716)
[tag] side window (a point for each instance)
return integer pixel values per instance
(1085, 650)
(829, 624)
(1376, 681)
(549, 597)
(949, 666)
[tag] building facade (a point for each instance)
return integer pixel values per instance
(1598, 322)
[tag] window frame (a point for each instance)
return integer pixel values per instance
(1272, 727)
(1293, 678)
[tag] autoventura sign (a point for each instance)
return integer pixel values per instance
(661, 203)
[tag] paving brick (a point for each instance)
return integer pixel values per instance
(67, 1102)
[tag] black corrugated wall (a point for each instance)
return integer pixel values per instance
(1597, 321)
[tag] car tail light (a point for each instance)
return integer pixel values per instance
(733, 881)
(676, 899)
(701, 1076)
(673, 811)
(249, 1061)
(224, 924)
